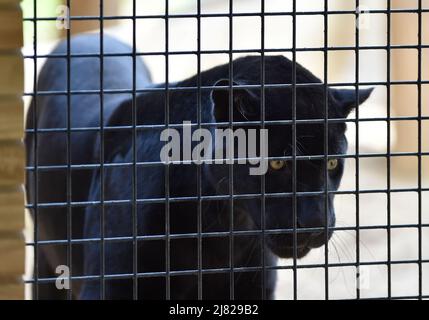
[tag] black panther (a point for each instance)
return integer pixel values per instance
(127, 193)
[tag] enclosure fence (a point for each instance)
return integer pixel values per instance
(396, 160)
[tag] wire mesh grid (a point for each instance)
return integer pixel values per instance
(135, 203)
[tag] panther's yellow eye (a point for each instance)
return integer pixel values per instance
(332, 164)
(277, 164)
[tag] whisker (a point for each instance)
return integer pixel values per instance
(342, 270)
(332, 280)
(249, 258)
(343, 247)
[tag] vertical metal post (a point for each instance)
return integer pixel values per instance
(167, 167)
(294, 156)
(199, 182)
(36, 163)
(69, 160)
(326, 143)
(135, 156)
(263, 220)
(102, 140)
(388, 147)
(231, 168)
(419, 151)
(357, 34)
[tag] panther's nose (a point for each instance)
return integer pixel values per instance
(318, 239)
(314, 219)
(312, 213)
(314, 239)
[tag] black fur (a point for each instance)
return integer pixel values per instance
(150, 183)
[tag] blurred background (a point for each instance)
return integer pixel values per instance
(374, 67)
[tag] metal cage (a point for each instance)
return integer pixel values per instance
(294, 267)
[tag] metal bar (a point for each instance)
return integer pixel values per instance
(69, 163)
(176, 273)
(235, 124)
(231, 141)
(35, 288)
(263, 102)
(235, 51)
(222, 197)
(167, 166)
(226, 233)
(187, 162)
(225, 15)
(294, 154)
(420, 135)
(357, 141)
(135, 159)
(279, 86)
(389, 151)
(102, 184)
(326, 145)
(199, 179)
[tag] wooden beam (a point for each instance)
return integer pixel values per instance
(11, 163)
(405, 62)
(12, 74)
(11, 291)
(92, 8)
(10, 33)
(12, 267)
(11, 118)
(11, 204)
(12, 246)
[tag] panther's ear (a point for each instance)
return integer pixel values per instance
(346, 98)
(245, 103)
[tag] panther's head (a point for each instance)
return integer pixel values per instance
(300, 186)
